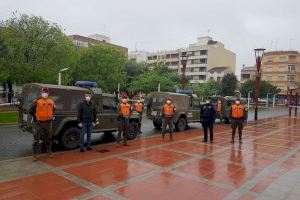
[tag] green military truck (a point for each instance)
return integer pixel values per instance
(226, 105)
(187, 109)
(65, 129)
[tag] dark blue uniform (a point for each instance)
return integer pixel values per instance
(208, 115)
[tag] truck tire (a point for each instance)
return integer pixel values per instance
(181, 124)
(133, 130)
(69, 139)
(157, 125)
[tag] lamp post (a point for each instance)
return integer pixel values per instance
(59, 74)
(267, 105)
(259, 53)
(274, 99)
(184, 58)
(248, 103)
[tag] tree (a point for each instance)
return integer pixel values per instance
(35, 50)
(209, 88)
(102, 64)
(148, 82)
(133, 70)
(228, 85)
(265, 87)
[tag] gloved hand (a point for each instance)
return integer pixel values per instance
(80, 125)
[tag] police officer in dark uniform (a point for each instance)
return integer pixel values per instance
(207, 116)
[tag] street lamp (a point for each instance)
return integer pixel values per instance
(267, 105)
(259, 53)
(184, 58)
(274, 97)
(249, 99)
(59, 74)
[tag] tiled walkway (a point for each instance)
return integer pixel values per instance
(265, 166)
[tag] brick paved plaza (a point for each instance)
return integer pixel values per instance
(265, 166)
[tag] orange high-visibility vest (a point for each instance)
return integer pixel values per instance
(237, 111)
(138, 107)
(219, 107)
(168, 110)
(44, 109)
(124, 109)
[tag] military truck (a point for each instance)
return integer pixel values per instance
(226, 105)
(65, 129)
(187, 109)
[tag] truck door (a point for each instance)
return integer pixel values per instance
(193, 114)
(108, 114)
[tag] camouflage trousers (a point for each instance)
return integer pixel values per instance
(42, 133)
(167, 122)
(237, 123)
(123, 126)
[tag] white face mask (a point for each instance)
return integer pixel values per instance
(88, 98)
(45, 95)
(237, 102)
(168, 102)
(124, 100)
(207, 102)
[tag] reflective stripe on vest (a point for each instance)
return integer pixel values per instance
(124, 109)
(168, 110)
(138, 107)
(219, 107)
(237, 111)
(44, 109)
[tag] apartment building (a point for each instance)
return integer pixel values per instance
(281, 68)
(207, 59)
(82, 41)
(248, 73)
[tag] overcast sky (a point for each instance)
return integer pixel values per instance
(152, 25)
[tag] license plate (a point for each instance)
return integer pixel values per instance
(25, 117)
(154, 113)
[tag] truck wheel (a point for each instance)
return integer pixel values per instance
(133, 130)
(157, 125)
(181, 124)
(70, 138)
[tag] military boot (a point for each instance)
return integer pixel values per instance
(125, 140)
(119, 137)
(171, 136)
(240, 139)
(163, 136)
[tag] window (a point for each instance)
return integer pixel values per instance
(203, 52)
(195, 69)
(282, 59)
(195, 61)
(108, 104)
(269, 59)
(268, 69)
(291, 68)
(149, 58)
(202, 69)
(292, 57)
(195, 77)
(291, 78)
(245, 76)
(219, 78)
(269, 78)
(203, 61)
(195, 103)
(202, 77)
(280, 78)
(212, 78)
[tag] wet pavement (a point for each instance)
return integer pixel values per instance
(15, 143)
(266, 166)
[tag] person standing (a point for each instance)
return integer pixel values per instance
(87, 118)
(219, 110)
(237, 115)
(207, 115)
(42, 111)
(168, 115)
(139, 107)
(123, 120)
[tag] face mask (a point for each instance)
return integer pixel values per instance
(237, 102)
(124, 101)
(87, 98)
(207, 102)
(168, 102)
(45, 95)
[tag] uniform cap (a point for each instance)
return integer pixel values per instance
(45, 90)
(168, 98)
